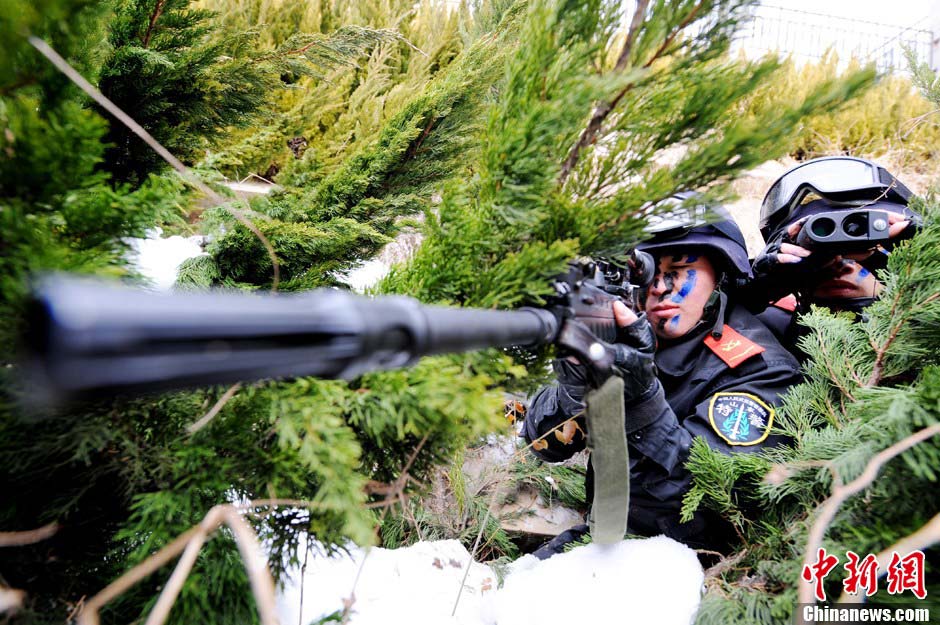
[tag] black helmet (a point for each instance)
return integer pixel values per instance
(695, 225)
(844, 180)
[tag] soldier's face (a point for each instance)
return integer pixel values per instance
(846, 279)
(676, 299)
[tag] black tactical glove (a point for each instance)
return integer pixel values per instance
(633, 359)
(774, 279)
(573, 383)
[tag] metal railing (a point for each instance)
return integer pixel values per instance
(807, 36)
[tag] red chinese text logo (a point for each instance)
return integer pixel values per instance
(907, 573)
(901, 574)
(817, 572)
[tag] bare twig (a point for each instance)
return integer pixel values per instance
(157, 11)
(205, 419)
(828, 509)
(138, 130)
(89, 613)
(486, 516)
(351, 600)
(917, 121)
(303, 573)
(262, 584)
(632, 34)
(11, 599)
(725, 564)
(173, 586)
(926, 536)
(395, 491)
(79, 605)
(473, 552)
(17, 539)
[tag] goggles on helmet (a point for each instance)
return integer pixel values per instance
(842, 179)
(687, 223)
(675, 217)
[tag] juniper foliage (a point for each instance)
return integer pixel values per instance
(188, 82)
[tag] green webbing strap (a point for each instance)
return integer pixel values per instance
(607, 440)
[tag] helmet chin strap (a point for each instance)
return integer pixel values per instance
(713, 313)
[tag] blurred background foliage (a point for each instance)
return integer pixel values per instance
(893, 123)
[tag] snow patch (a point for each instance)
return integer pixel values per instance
(654, 580)
(417, 585)
(159, 259)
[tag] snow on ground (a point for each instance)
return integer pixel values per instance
(654, 580)
(159, 259)
(415, 585)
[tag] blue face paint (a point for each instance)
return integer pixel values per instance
(862, 274)
(674, 322)
(691, 258)
(686, 288)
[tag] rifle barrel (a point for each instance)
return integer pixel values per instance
(90, 339)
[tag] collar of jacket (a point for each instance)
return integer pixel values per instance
(678, 357)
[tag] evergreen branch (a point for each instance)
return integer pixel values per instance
(205, 419)
(672, 35)
(603, 109)
(23, 81)
(882, 351)
(18, 539)
(829, 508)
(56, 59)
(413, 148)
(827, 362)
(927, 535)
(157, 11)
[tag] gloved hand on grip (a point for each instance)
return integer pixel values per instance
(634, 352)
(593, 360)
(574, 381)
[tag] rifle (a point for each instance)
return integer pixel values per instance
(87, 339)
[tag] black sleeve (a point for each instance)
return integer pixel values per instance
(551, 406)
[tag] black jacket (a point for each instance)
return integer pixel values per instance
(698, 394)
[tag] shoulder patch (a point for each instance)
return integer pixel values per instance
(787, 303)
(732, 347)
(740, 418)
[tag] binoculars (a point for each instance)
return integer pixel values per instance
(844, 231)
